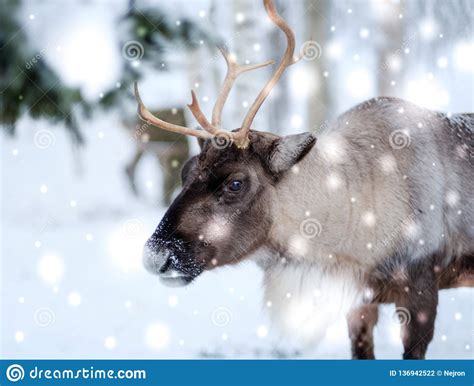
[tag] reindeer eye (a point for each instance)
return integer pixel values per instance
(235, 185)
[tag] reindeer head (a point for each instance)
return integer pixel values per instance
(224, 211)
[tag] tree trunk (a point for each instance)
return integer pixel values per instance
(317, 26)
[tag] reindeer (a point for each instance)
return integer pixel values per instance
(377, 209)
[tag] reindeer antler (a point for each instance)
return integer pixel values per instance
(287, 60)
(199, 115)
(233, 71)
(148, 117)
(212, 129)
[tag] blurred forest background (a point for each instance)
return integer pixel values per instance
(84, 183)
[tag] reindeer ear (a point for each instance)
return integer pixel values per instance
(289, 150)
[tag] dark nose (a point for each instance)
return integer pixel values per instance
(156, 259)
(166, 266)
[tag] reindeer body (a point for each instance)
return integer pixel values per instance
(373, 200)
(388, 219)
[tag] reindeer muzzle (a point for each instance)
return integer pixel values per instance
(163, 261)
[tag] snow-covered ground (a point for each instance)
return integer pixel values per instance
(72, 284)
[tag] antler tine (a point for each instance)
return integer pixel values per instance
(199, 115)
(233, 71)
(287, 60)
(148, 117)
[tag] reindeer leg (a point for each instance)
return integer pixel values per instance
(361, 322)
(416, 309)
